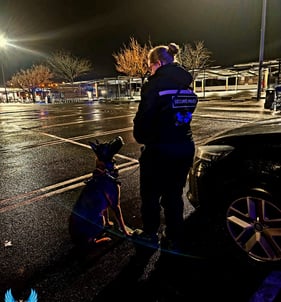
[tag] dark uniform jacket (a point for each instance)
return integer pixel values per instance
(154, 122)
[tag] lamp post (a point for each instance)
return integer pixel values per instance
(3, 43)
(4, 82)
(261, 48)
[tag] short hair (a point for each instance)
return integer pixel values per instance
(163, 53)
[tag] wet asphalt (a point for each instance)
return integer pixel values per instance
(44, 162)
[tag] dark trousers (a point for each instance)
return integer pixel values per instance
(163, 175)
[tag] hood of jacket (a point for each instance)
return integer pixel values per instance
(171, 75)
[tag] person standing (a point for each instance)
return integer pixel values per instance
(163, 128)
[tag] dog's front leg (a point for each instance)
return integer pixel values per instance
(107, 222)
(119, 218)
(113, 199)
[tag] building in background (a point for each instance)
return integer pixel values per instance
(215, 81)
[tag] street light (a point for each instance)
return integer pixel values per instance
(261, 48)
(3, 44)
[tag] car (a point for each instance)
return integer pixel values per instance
(234, 186)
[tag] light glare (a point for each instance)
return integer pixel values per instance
(3, 41)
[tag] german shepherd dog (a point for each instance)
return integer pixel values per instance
(89, 218)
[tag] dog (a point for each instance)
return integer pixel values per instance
(89, 218)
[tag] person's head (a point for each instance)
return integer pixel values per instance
(162, 55)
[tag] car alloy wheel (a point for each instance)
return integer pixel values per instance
(254, 224)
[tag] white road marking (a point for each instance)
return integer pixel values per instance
(58, 188)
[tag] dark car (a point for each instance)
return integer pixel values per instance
(235, 187)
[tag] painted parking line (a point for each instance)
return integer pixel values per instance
(11, 203)
(72, 140)
(20, 200)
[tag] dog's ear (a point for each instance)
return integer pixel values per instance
(94, 146)
(98, 149)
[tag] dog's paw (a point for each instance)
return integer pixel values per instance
(129, 231)
(109, 224)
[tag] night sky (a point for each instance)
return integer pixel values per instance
(95, 30)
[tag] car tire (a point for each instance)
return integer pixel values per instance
(247, 228)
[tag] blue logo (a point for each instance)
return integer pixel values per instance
(183, 118)
(9, 297)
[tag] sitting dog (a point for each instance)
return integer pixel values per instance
(89, 217)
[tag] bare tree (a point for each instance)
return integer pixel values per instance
(29, 79)
(132, 59)
(195, 58)
(67, 67)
